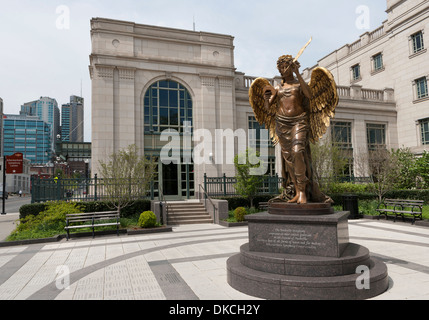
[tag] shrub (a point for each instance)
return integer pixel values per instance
(147, 220)
(348, 187)
(48, 223)
(90, 206)
(239, 214)
(31, 209)
(409, 194)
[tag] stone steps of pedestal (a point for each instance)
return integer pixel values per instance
(302, 265)
(284, 287)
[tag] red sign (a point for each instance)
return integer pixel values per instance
(15, 164)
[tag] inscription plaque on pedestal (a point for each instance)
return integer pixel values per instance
(325, 236)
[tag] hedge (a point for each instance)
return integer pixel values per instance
(409, 194)
(235, 202)
(96, 206)
(394, 194)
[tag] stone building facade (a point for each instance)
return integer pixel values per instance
(152, 83)
(392, 59)
(131, 62)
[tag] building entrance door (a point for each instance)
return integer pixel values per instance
(170, 183)
(176, 182)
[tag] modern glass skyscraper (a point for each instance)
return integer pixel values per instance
(47, 110)
(72, 118)
(28, 135)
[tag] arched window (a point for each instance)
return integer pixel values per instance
(167, 104)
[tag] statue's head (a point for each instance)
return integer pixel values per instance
(284, 62)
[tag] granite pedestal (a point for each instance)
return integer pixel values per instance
(306, 256)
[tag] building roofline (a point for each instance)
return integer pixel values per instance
(152, 27)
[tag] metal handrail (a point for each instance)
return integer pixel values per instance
(205, 203)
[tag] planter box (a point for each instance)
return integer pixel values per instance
(131, 232)
(233, 224)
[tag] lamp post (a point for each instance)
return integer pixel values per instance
(4, 160)
(4, 182)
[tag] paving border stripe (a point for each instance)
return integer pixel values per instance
(364, 224)
(411, 243)
(4, 245)
(190, 259)
(171, 282)
(17, 262)
(50, 292)
(402, 263)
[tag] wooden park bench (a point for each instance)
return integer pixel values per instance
(400, 207)
(92, 220)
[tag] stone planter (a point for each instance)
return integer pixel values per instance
(137, 231)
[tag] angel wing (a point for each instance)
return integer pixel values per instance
(323, 103)
(257, 101)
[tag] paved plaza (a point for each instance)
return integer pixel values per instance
(186, 264)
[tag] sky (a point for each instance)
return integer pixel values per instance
(45, 45)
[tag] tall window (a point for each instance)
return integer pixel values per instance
(377, 62)
(356, 72)
(342, 134)
(376, 135)
(167, 104)
(424, 125)
(255, 136)
(422, 88)
(256, 141)
(342, 138)
(417, 41)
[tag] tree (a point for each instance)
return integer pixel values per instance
(422, 171)
(126, 176)
(407, 178)
(248, 183)
(383, 167)
(414, 170)
(329, 161)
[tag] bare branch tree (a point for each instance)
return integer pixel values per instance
(329, 162)
(126, 176)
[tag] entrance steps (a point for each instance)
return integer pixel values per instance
(187, 212)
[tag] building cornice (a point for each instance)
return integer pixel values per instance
(155, 60)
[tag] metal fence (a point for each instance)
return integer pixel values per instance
(225, 186)
(86, 189)
(96, 189)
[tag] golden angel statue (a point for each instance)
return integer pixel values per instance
(296, 114)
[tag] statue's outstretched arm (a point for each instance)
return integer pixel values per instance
(304, 85)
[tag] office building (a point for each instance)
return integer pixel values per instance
(72, 120)
(28, 135)
(46, 109)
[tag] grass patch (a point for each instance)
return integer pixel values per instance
(51, 223)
